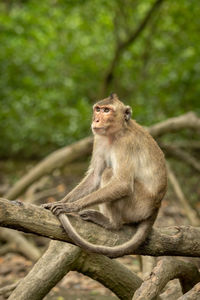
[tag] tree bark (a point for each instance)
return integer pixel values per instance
(166, 270)
(47, 272)
(193, 294)
(181, 241)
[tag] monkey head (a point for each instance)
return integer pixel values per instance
(110, 115)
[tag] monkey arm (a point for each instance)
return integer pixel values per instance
(87, 185)
(114, 190)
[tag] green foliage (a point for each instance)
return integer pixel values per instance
(54, 56)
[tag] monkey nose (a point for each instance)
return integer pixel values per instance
(97, 120)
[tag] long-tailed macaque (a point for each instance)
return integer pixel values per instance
(126, 177)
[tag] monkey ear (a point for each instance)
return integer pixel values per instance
(127, 113)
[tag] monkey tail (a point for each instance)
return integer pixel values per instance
(125, 249)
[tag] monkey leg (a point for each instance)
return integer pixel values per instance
(94, 216)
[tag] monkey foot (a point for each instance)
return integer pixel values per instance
(94, 216)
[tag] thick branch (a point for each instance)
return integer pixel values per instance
(47, 272)
(61, 258)
(111, 273)
(166, 270)
(181, 241)
(188, 120)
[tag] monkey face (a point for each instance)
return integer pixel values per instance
(103, 118)
(110, 115)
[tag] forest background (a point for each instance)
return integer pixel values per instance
(58, 57)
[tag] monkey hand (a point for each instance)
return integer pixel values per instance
(61, 208)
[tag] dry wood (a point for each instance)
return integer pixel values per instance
(57, 261)
(45, 274)
(166, 270)
(182, 240)
(185, 121)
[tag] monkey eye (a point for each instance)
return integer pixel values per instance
(106, 109)
(97, 108)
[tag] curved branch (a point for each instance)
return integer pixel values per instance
(181, 241)
(188, 120)
(166, 270)
(111, 273)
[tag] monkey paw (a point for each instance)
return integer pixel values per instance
(89, 215)
(47, 205)
(63, 208)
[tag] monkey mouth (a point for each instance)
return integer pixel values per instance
(96, 128)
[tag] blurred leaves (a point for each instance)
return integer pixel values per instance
(54, 56)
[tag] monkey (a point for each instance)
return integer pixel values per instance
(126, 178)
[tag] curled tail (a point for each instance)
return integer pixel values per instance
(116, 251)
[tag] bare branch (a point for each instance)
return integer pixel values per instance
(55, 263)
(186, 121)
(181, 241)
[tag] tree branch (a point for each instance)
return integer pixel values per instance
(186, 121)
(181, 241)
(166, 270)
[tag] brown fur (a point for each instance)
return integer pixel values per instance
(126, 177)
